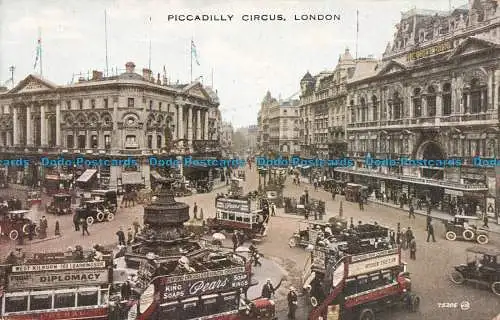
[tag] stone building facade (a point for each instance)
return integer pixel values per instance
(279, 125)
(226, 138)
(434, 95)
(322, 110)
(129, 115)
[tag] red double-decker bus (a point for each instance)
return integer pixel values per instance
(56, 286)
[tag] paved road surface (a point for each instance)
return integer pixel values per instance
(429, 272)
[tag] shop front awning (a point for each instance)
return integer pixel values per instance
(87, 175)
(157, 175)
(132, 178)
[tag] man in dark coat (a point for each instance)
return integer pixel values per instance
(413, 248)
(235, 240)
(292, 303)
(409, 236)
(430, 232)
(121, 237)
(126, 290)
(76, 221)
(411, 212)
(267, 290)
(85, 227)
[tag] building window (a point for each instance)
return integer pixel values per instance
(431, 102)
(363, 109)
(131, 142)
(417, 103)
(80, 104)
(107, 142)
(106, 103)
(158, 141)
(150, 142)
(68, 105)
(477, 97)
(81, 142)
(131, 102)
(93, 142)
(159, 106)
(353, 112)
(150, 105)
(447, 99)
(375, 108)
(398, 106)
(70, 142)
(92, 103)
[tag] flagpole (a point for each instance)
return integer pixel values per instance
(191, 51)
(106, 41)
(41, 51)
(150, 24)
(357, 32)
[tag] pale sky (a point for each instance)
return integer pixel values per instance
(248, 58)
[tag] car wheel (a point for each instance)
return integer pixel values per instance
(314, 301)
(450, 235)
(482, 239)
(367, 314)
(457, 277)
(100, 216)
(112, 209)
(468, 235)
(292, 242)
(13, 235)
(26, 228)
(110, 216)
(495, 287)
(90, 220)
(414, 303)
(37, 230)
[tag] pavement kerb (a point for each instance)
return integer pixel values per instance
(419, 212)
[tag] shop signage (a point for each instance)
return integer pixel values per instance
(89, 313)
(430, 51)
(204, 285)
(374, 264)
(232, 205)
(373, 255)
(454, 192)
(58, 279)
(59, 266)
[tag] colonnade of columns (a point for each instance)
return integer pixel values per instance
(194, 127)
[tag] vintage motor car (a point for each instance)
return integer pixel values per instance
(33, 197)
(60, 204)
(482, 267)
(459, 227)
(94, 210)
(12, 223)
(258, 309)
(309, 230)
(110, 198)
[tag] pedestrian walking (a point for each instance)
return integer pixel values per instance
(31, 230)
(485, 220)
(85, 227)
(409, 236)
(430, 232)
(273, 209)
(195, 210)
(136, 226)
(413, 249)
(130, 236)
(292, 303)
(235, 240)
(428, 222)
(121, 237)
(411, 212)
(334, 193)
(267, 290)
(76, 221)
(57, 230)
(361, 206)
(392, 236)
(404, 241)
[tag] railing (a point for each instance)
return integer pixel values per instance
(419, 180)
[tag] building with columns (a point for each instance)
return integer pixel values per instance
(434, 95)
(128, 115)
(278, 123)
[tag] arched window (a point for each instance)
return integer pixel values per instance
(476, 101)
(417, 103)
(398, 106)
(375, 108)
(353, 112)
(431, 101)
(363, 109)
(446, 99)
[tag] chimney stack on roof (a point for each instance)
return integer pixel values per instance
(147, 74)
(130, 67)
(96, 75)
